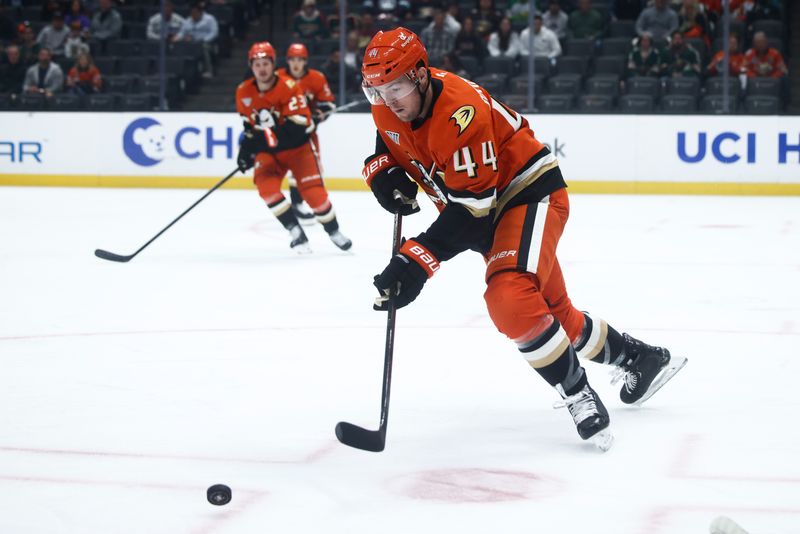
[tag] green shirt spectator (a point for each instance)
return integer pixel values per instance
(644, 59)
(586, 22)
(681, 59)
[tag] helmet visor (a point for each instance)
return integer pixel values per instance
(389, 92)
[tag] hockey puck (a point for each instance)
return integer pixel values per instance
(218, 494)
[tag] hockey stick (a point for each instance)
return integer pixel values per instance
(350, 105)
(110, 256)
(356, 436)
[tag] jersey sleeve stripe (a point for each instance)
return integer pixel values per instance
(478, 207)
(539, 165)
(514, 120)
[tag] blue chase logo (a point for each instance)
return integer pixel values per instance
(145, 142)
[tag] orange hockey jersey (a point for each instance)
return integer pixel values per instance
(472, 155)
(314, 86)
(282, 108)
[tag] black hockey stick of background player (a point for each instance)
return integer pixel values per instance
(375, 440)
(106, 255)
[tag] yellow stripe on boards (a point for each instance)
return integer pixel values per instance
(357, 184)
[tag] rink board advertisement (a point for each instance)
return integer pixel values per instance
(597, 153)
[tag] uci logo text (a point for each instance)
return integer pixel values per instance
(730, 147)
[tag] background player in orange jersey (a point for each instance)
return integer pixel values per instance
(320, 100)
(277, 126)
(499, 192)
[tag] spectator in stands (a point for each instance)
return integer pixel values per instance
(658, 20)
(518, 12)
(627, 9)
(762, 60)
(106, 23)
(77, 13)
(12, 72)
(309, 24)
(468, 42)
(75, 44)
(505, 41)
(28, 46)
(452, 17)
(451, 63)
(749, 11)
(49, 8)
(84, 78)
(201, 27)
(352, 53)
(438, 38)
(398, 8)
(350, 21)
(331, 71)
(644, 59)
(174, 23)
(586, 22)
(555, 20)
(736, 61)
(692, 22)
(681, 58)
(545, 42)
(8, 29)
(486, 18)
(54, 35)
(45, 77)
(366, 30)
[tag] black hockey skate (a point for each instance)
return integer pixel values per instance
(645, 370)
(299, 241)
(340, 240)
(590, 416)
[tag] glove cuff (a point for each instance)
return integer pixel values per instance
(376, 165)
(421, 255)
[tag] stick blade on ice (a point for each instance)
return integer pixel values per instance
(110, 256)
(360, 438)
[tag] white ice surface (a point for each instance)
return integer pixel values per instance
(219, 356)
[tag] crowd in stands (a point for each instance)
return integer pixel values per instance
(589, 55)
(103, 54)
(634, 56)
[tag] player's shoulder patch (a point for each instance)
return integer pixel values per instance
(462, 117)
(290, 82)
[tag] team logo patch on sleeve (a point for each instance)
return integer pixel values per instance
(247, 101)
(463, 117)
(394, 136)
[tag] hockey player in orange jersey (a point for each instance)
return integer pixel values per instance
(499, 192)
(320, 100)
(277, 126)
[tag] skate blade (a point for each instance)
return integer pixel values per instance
(603, 440)
(676, 363)
(302, 249)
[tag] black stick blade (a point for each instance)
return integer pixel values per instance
(361, 438)
(110, 256)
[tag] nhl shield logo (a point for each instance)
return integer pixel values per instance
(394, 136)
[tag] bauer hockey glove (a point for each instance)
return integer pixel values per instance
(402, 280)
(253, 142)
(394, 191)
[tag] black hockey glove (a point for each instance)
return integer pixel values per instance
(253, 143)
(394, 191)
(402, 280)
